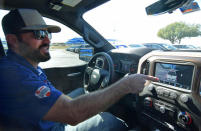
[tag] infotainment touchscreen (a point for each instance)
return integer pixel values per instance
(174, 74)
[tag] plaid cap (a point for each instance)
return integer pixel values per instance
(25, 19)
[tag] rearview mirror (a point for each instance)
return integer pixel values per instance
(164, 6)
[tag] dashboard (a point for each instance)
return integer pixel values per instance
(173, 103)
(126, 60)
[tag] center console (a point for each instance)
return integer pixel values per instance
(170, 103)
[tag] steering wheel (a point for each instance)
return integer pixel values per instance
(99, 72)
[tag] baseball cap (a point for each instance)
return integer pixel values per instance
(25, 19)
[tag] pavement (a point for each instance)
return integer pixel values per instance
(62, 58)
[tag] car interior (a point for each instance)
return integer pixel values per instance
(173, 103)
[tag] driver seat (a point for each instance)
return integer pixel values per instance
(2, 52)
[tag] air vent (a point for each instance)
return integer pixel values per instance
(145, 68)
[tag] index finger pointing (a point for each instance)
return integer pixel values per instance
(151, 78)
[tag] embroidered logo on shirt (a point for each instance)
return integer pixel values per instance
(42, 92)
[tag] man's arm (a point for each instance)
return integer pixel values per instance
(74, 111)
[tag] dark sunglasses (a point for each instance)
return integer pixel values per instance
(39, 34)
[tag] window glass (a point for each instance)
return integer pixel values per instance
(169, 47)
(2, 13)
(133, 25)
(156, 47)
(62, 47)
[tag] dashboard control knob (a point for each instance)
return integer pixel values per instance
(159, 92)
(166, 93)
(184, 98)
(173, 95)
(148, 102)
(184, 118)
(162, 109)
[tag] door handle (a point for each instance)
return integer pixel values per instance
(74, 74)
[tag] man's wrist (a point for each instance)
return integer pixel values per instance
(124, 85)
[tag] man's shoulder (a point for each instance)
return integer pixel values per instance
(6, 64)
(9, 68)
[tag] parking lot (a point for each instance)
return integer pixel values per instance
(62, 58)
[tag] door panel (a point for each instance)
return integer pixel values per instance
(66, 79)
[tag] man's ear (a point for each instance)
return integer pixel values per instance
(12, 40)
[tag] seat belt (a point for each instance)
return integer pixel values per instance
(2, 52)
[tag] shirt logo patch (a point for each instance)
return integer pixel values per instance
(43, 92)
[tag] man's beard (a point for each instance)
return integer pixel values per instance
(33, 54)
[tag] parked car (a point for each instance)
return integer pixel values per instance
(76, 40)
(125, 45)
(83, 46)
(160, 46)
(119, 46)
(135, 45)
(186, 47)
(73, 48)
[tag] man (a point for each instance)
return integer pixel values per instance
(29, 101)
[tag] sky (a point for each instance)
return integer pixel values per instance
(112, 22)
(136, 26)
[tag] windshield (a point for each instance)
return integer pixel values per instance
(191, 46)
(169, 47)
(134, 45)
(127, 21)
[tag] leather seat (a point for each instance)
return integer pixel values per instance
(2, 52)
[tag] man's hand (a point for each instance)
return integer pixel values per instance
(135, 82)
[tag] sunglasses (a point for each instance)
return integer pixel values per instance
(39, 34)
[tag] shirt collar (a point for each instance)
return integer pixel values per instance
(21, 60)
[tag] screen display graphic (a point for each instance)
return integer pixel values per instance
(174, 74)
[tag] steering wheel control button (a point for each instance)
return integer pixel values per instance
(105, 82)
(89, 70)
(99, 63)
(184, 98)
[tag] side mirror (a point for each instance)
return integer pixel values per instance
(85, 54)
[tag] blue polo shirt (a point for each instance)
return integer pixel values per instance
(25, 94)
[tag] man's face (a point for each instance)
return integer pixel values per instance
(34, 49)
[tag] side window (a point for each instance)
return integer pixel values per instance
(4, 45)
(64, 48)
(3, 40)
